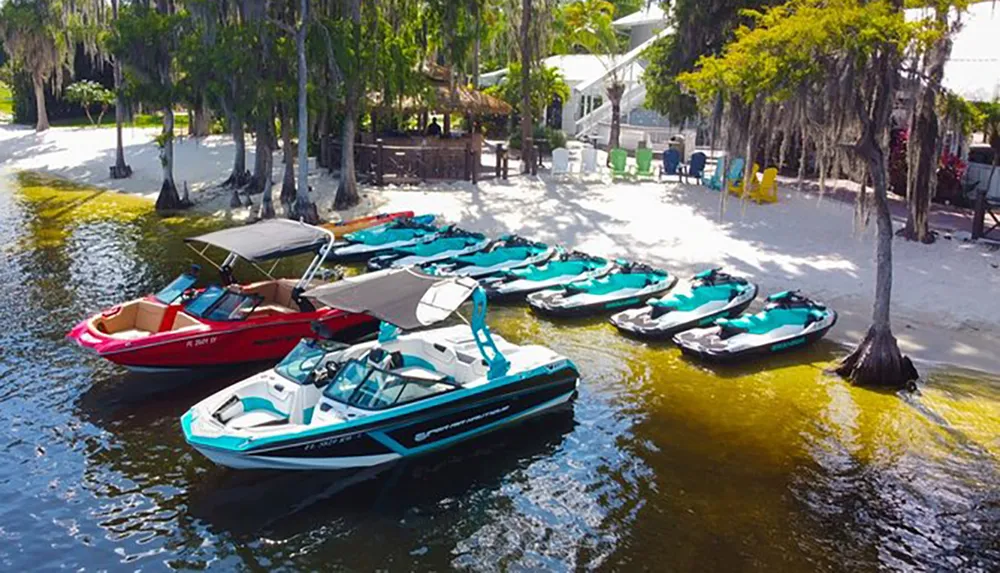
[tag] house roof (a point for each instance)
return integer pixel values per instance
(652, 14)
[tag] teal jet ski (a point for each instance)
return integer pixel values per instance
(451, 242)
(627, 285)
(564, 268)
(710, 295)
(788, 321)
(360, 245)
(506, 253)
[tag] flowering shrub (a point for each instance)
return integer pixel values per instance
(951, 168)
(897, 162)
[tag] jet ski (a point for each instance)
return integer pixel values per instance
(332, 406)
(627, 285)
(449, 243)
(788, 321)
(506, 253)
(710, 295)
(564, 268)
(402, 232)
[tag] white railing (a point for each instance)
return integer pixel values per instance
(632, 98)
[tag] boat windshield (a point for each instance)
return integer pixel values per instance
(217, 303)
(176, 288)
(301, 361)
(361, 385)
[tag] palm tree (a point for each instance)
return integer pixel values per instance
(36, 36)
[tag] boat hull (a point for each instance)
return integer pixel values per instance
(412, 434)
(220, 343)
(347, 227)
(690, 346)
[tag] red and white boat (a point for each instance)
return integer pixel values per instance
(347, 227)
(181, 327)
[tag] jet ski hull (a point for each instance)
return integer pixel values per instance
(698, 343)
(547, 302)
(637, 323)
(390, 438)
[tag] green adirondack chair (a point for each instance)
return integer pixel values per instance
(644, 162)
(619, 163)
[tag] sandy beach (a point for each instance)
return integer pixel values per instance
(945, 295)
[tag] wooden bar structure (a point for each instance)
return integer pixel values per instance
(409, 160)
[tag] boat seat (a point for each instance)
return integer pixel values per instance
(131, 334)
(256, 418)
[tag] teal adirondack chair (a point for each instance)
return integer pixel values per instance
(717, 181)
(619, 163)
(735, 172)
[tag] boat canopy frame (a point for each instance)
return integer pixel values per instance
(408, 298)
(270, 240)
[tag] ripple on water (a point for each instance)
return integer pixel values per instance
(658, 464)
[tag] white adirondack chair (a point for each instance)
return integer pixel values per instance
(560, 161)
(588, 158)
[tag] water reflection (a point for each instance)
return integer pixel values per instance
(660, 463)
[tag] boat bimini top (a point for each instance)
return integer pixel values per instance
(408, 298)
(266, 241)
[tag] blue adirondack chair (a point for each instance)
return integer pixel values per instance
(695, 168)
(671, 159)
(717, 180)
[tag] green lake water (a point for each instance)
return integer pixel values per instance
(659, 464)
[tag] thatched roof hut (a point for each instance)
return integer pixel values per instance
(440, 97)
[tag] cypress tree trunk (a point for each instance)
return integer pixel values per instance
(120, 170)
(168, 199)
(304, 208)
(526, 120)
(347, 191)
(922, 156)
(42, 123)
(263, 167)
(615, 92)
(877, 360)
(287, 196)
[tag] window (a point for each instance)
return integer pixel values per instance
(176, 288)
(217, 303)
(363, 386)
(301, 361)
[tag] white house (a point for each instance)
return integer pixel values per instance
(587, 113)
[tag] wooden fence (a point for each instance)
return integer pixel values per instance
(383, 164)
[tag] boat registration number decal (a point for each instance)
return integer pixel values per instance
(421, 436)
(201, 342)
(329, 442)
(788, 344)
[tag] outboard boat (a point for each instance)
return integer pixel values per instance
(449, 243)
(565, 268)
(627, 285)
(346, 227)
(331, 406)
(788, 321)
(182, 327)
(506, 253)
(709, 295)
(402, 232)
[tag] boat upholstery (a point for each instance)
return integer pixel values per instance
(277, 295)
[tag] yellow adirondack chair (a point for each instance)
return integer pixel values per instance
(766, 190)
(736, 187)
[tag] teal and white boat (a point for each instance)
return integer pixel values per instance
(708, 296)
(360, 245)
(332, 406)
(627, 285)
(506, 253)
(789, 321)
(451, 242)
(564, 268)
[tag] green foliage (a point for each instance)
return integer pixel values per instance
(960, 111)
(35, 35)
(794, 44)
(6, 100)
(663, 93)
(89, 93)
(989, 122)
(546, 85)
(145, 42)
(549, 138)
(585, 26)
(702, 27)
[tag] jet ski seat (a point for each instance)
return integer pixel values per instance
(764, 322)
